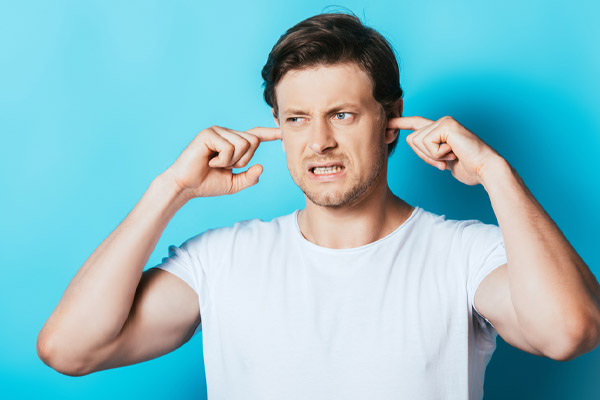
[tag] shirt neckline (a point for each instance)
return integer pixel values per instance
(312, 245)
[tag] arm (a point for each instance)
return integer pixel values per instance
(554, 294)
(545, 300)
(112, 314)
(95, 306)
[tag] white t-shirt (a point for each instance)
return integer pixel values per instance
(283, 318)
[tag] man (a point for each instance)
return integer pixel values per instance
(359, 294)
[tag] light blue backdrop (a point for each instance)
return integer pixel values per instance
(97, 98)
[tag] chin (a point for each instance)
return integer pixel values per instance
(355, 189)
(336, 199)
(328, 200)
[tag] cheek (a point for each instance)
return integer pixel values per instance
(293, 146)
(292, 159)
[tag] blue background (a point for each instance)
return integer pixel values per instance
(98, 98)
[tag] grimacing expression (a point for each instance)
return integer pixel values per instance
(333, 133)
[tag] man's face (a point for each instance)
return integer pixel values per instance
(333, 132)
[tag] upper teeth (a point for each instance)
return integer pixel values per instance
(327, 170)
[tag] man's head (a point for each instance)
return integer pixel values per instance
(332, 84)
(328, 39)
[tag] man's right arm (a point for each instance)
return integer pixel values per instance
(95, 318)
(114, 314)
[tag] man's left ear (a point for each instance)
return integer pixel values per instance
(395, 112)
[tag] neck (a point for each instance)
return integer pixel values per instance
(374, 216)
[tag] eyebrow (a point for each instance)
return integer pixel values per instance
(336, 108)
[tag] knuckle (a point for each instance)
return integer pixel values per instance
(448, 120)
(245, 159)
(245, 144)
(254, 140)
(211, 130)
(228, 147)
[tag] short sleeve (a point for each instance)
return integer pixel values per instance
(482, 245)
(182, 263)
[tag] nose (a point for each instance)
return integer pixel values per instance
(321, 137)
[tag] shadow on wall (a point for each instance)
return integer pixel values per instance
(549, 135)
(514, 374)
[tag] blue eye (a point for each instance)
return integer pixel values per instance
(294, 119)
(342, 116)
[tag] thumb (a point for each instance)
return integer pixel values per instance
(247, 178)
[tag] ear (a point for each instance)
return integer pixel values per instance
(395, 112)
(277, 123)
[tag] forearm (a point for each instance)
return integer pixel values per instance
(97, 302)
(552, 290)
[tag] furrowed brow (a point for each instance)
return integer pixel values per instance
(334, 109)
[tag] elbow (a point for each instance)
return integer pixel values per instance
(58, 357)
(582, 336)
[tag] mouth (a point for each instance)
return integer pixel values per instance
(326, 170)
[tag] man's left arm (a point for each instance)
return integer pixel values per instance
(545, 297)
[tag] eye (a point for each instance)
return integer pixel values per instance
(343, 116)
(294, 119)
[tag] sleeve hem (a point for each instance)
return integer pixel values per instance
(199, 327)
(476, 285)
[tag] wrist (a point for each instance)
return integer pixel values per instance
(494, 171)
(166, 184)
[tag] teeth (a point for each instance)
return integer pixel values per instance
(327, 170)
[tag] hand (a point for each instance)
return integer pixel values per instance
(204, 168)
(446, 144)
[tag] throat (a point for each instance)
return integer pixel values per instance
(351, 228)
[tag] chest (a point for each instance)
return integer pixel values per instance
(394, 317)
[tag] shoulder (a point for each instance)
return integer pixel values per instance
(476, 242)
(244, 232)
(466, 232)
(442, 221)
(244, 239)
(428, 221)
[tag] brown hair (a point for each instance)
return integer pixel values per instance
(333, 38)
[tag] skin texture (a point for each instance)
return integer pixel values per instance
(328, 115)
(113, 313)
(316, 131)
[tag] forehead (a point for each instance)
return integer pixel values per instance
(322, 86)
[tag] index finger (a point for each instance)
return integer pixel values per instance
(408, 123)
(265, 134)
